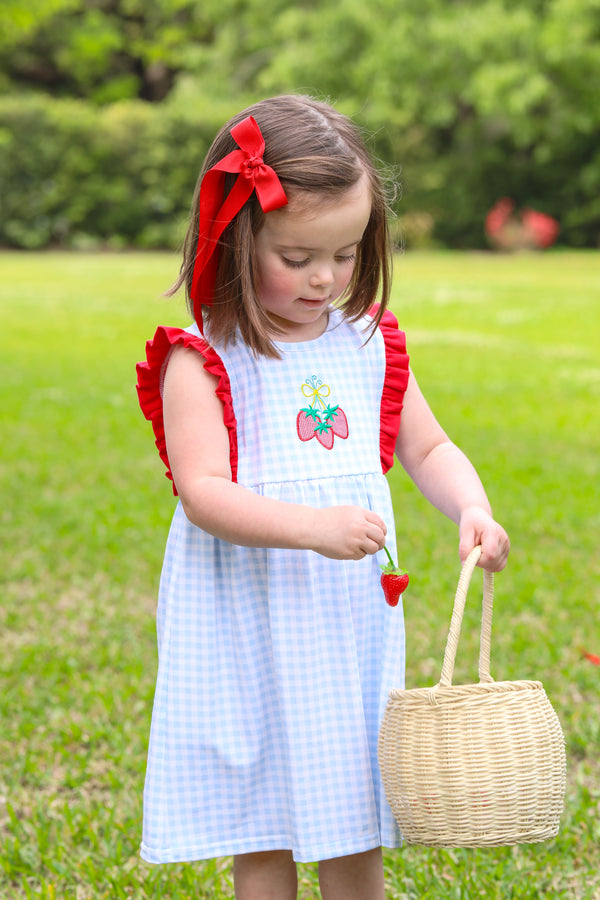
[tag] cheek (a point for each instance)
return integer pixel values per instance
(275, 281)
(343, 279)
(346, 277)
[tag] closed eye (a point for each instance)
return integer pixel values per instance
(300, 263)
(295, 263)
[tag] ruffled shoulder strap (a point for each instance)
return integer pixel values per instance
(395, 383)
(150, 379)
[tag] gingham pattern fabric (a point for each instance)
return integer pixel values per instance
(275, 665)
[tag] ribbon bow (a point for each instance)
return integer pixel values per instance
(316, 390)
(216, 213)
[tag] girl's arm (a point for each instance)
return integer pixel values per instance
(198, 450)
(448, 480)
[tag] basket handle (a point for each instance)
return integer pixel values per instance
(457, 616)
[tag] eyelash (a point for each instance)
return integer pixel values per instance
(295, 264)
(299, 264)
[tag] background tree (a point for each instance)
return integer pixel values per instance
(472, 99)
(102, 50)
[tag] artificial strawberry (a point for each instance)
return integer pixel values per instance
(394, 581)
(339, 422)
(322, 425)
(305, 425)
(324, 434)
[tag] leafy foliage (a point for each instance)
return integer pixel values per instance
(81, 177)
(104, 50)
(474, 99)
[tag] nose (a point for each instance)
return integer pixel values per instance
(322, 276)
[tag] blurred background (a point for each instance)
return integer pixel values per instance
(107, 108)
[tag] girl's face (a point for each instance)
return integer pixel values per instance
(305, 255)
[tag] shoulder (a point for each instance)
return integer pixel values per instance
(394, 338)
(151, 374)
(166, 340)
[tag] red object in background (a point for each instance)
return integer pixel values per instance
(528, 230)
(498, 216)
(592, 657)
(543, 228)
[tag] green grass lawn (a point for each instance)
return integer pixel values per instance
(506, 350)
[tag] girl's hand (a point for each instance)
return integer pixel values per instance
(477, 527)
(347, 532)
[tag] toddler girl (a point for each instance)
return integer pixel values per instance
(277, 414)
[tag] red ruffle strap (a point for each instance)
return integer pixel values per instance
(394, 386)
(150, 384)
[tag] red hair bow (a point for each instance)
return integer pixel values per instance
(216, 213)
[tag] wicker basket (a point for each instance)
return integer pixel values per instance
(476, 765)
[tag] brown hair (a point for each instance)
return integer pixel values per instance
(314, 150)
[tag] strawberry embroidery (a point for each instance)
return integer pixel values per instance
(320, 419)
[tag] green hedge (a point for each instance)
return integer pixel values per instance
(122, 175)
(78, 176)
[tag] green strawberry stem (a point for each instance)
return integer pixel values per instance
(392, 563)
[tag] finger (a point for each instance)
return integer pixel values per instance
(467, 543)
(359, 553)
(376, 538)
(370, 547)
(375, 519)
(495, 551)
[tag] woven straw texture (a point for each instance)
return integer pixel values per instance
(473, 765)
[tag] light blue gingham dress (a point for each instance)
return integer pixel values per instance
(275, 665)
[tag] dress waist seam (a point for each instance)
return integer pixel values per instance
(307, 481)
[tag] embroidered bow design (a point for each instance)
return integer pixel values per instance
(319, 419)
